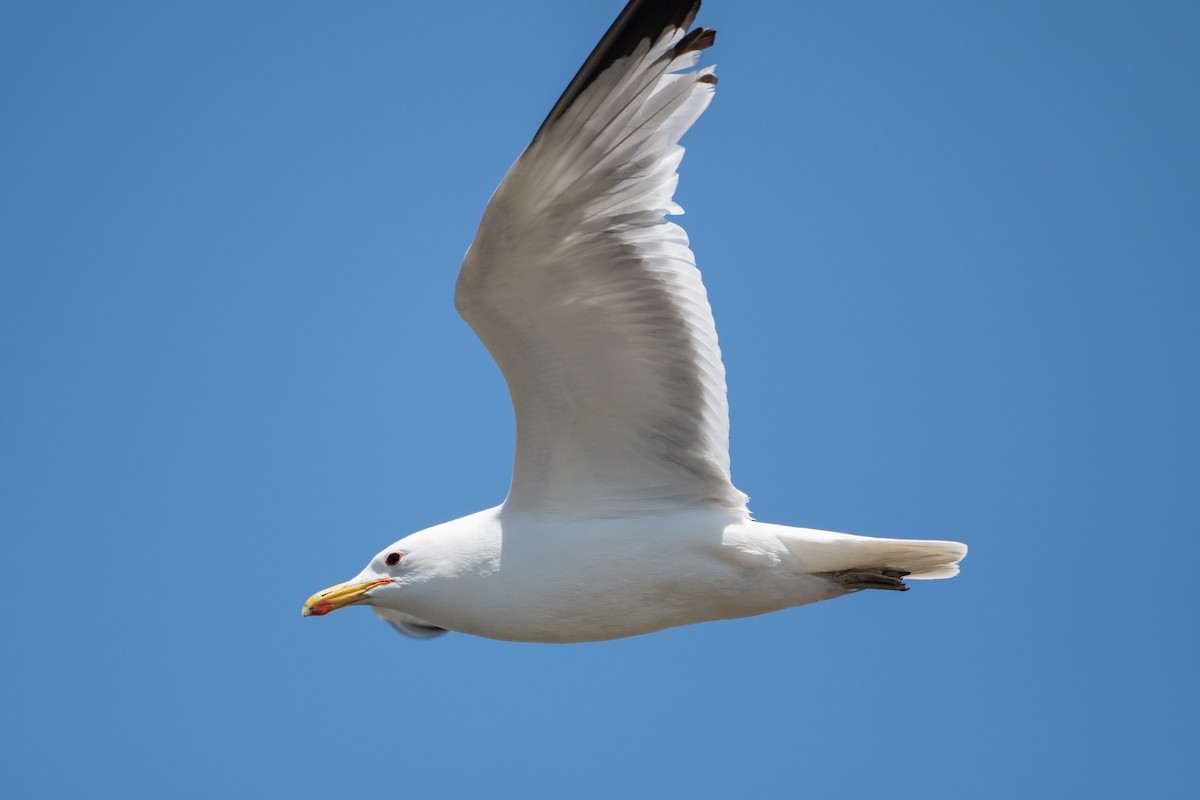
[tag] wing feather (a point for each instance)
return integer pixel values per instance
(590, 300)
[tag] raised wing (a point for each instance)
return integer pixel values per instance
(590, 301)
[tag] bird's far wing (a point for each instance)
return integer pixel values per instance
(590, 300)
(407, 624)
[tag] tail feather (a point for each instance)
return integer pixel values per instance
(825, 551)
(925, 559)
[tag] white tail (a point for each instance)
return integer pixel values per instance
(825, 551)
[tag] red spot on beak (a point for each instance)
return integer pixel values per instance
(321, 609)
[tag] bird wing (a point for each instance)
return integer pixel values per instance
(589, 299)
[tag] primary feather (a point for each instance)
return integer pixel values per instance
(591, 303)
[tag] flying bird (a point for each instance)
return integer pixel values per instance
(621, 518)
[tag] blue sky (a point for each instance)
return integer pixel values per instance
(953, 253)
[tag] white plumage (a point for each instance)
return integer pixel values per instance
(621, 518)
(591, 303)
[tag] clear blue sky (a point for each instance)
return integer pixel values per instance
(954, 254)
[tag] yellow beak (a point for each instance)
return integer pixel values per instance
(333, 598)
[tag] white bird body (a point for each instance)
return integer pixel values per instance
(621, 518)
(505, 575)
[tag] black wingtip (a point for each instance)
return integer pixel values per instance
(640, 20)
(698, 39)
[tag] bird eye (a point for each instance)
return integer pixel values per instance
(393, 559)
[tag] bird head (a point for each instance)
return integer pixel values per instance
(376, 585)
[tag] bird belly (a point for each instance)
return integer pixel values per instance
(562, 608)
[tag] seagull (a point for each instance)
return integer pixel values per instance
(621, 518)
